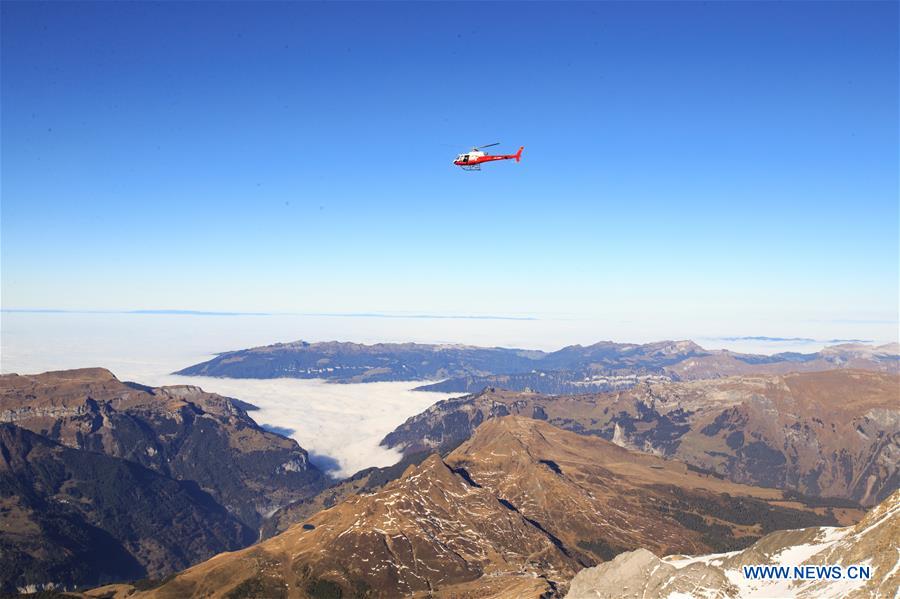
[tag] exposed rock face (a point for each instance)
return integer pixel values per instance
(631, 574)
(829, 434)
(511, 513)
(874, 541)
(180, 432)
(602, 366)
(71, 516)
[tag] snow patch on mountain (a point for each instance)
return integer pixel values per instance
(874, 542)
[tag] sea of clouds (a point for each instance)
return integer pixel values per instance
(341, 425)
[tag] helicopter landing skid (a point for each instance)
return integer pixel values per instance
(472, 167)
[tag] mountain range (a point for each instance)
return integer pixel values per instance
(505, 494)
(515, 511)
(602, 366)
(831, 434)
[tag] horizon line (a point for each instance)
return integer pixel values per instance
(175, 312)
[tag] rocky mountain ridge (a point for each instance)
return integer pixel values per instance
(522, 505)
(829, 434)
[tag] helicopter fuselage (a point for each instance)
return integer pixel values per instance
(476, 157)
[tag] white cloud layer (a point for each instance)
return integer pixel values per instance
(340, 422)
(340, 425)
(336, 422)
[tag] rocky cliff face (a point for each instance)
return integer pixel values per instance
(829, 434)
(874, 541)
(513, 512)
(71, 516)
(180, 432)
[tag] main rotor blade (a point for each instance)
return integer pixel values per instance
(489, 145)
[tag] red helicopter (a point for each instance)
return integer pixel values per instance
(472, 160)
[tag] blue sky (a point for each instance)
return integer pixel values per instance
(681, 159)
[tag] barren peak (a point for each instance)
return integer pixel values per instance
(534, 437)
(517, 425)
(75, 375)
(431, 463)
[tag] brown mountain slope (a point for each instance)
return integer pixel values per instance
(368, 480)
(830, 434)
(428, 530)
(520, 506)
(181, 432)
(599, 498)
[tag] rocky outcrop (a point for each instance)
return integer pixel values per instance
(873, 542)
